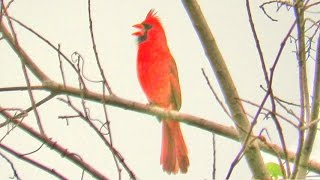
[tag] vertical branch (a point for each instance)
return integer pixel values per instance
(269, 84)
(107, 123)
(214, 156)
(299, 170)
(95, 50)
(253, 154)
(311, 134)
(105, 84)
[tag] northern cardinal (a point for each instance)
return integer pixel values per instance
(158, 77)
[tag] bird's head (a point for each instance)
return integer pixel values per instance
(150, 28)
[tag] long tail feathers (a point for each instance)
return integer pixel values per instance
(174, 153)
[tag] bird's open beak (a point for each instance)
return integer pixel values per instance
(140, 27)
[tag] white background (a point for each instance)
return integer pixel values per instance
(138, 136)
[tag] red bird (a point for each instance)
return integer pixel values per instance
(158, 76)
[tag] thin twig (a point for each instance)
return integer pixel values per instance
(55, 146)
(24, 113)
(286, 3)
(33, 162)
(15, 172)
(277, 155)
(107, 122)
(282, 100)
(311, 5)
(268, 110)
(289, 111)
(23, 55)
(115, 152)
(214, 164)
(38, 72)
(86, 117)
(24, 69)
(94, 47)
(215, 94)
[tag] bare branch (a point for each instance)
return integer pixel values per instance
(54, 145)
(94, 46)
(114, 151)
(215, 94)
(268, 110)
(299, 171)
(32, 162)
(34, 107)
(23, 55)
(214, 164)
(15, 173)
(307, 147)
(279, 4)
(253, 154)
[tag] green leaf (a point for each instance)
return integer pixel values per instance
(274, 169)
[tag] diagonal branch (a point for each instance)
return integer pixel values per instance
(31, 161)
(116, 154)
(54, 145)
(23, 55)
(253, 154)
(27, 79)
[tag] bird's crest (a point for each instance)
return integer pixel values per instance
(152, 18)
(151, 14)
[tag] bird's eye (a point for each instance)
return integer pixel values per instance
(147, 26)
